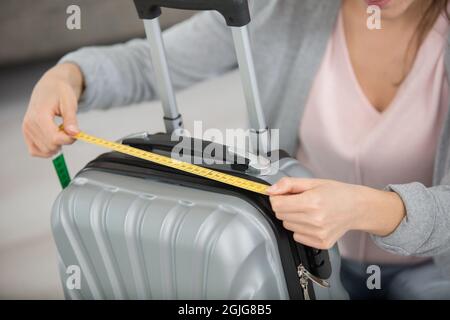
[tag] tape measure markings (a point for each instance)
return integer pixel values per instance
(175, 164)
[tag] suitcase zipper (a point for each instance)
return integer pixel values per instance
(304, 276)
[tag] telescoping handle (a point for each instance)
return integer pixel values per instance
(237, 16)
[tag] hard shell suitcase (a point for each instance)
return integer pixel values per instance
(138, 230)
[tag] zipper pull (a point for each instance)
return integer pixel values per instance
(304, 284)
(304, 275)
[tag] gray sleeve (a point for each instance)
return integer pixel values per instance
(197, 49)
(425, 231)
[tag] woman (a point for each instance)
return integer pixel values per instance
(365, 108)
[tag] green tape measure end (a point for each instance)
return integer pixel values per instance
(60, 166)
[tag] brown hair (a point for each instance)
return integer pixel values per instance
(431, 11)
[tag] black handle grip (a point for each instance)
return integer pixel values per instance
(235, 12)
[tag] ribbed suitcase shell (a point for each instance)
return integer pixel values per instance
(141, 240)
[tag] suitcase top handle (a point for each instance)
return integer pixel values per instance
(235, 12)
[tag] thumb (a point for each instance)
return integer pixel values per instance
(289, 185)
(69, 114)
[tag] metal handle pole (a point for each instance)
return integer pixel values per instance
(260, 137)
(172, 118)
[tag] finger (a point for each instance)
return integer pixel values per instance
(61, 138)
(309, 241)
(25, 133)
(303, 229)
(46, 132)
(38, 139)
(289, 185)
(51, 135)
(289, 203)
(34, 150)
(42, 149)
(299, 218)
(68, 107)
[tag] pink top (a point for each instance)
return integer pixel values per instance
(343, 137)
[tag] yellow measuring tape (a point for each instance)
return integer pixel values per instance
(175, 164)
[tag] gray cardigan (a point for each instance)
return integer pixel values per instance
(289, 40)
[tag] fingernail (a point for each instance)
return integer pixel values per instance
(273, 188)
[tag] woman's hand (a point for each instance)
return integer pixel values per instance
(56, 94)
(319, 212)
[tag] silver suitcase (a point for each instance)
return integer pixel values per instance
(136, 230)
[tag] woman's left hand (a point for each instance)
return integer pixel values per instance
(319, 212)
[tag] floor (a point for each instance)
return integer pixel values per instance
(28, 186)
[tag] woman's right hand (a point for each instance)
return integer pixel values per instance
(55, 94)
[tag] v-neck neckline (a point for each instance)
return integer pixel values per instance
(350, 68)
